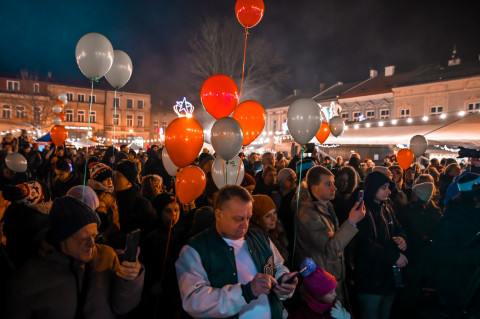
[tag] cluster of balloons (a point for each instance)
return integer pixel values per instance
(59, 133)
(406, 156)
(304, 122)
(96, 58)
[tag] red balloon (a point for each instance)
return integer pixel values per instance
(189, 184)
(405, 158)
(219, 95)
(249, 12)
(58, 134)
(183, 140)
(251, 116)
(323, 133)
(61, 116)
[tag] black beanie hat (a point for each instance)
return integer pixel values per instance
(162, 200)
(68, 215)
(129, 170)
(373, 182)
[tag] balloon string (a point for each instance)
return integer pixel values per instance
(298, 200)
(243, 68)
(114, 120)
(88, 131)
(225, 176)
(239, 169)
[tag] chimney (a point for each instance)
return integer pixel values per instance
(455, 60)
(296, 92)
(321, 87)
(373, 73)
(389, 70)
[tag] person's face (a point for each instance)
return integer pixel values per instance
(156, 188)
(80, 245)
(270, 178)
(339, 160)
(253, 158)
(268, 159)
(232, 219)
(383, 193)
(170, 214)
(120, 182)
(131, 156)
(207, 167)
(9, 148)
(342, 182)
(60, 152)
(107, 182)
(62, 175)
(329, 298)
(325, 190)
(396, 176)
(410, 174)
(8, 173)
(475, 162)
(455, 171)
(155, 148)
(290, 182)
(269, 220)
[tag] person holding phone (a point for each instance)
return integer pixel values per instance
(74, 277)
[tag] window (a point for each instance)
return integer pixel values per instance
(13, 85)
(140, 120)
(345, 116)
(93, 117)
(129, 104)
(164, 127)
(384, 114)
(140, 104)
(129, 120)
(91, 99)
(436, 110)
(36, 88)
(69, 116)
(116, 101)
(473, 107)
(69, 96)
(370, 115)
(355, 116)
(37, 113)
(20, 112)
(116, 119)
(156, 124)
(274, 127)
(6, 112)
(81, 97)
(81, 116)
(405, 113)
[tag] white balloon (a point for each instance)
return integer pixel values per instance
(121, 70)
(16, 162)
(228, 172)
(64, 98)
(303, 120)
(57, 120)
(337, 126)
(168, 164)
(57, 109)
(418, 145)
(227, 137)
(94, 54)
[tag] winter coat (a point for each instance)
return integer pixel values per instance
(135, 211)
(49, 286)
(320, 237)
(60, 188)
(375, 250)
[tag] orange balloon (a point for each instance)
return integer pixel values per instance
(405, 158)
(59, 103)
(323, 133)
(251, 116)
(183, 140)
(58, 134)
(189, 184)
(249, 12)
(219, 95)
(61, 116)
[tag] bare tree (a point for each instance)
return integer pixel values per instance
(31, 103)
(218, 49)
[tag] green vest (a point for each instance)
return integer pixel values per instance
(218, 260)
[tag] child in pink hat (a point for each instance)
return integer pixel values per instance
(318, 298)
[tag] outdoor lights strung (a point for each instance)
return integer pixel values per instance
(380, 123)
(409, 120)
(425, 118)
(443, 116)
(356, 126)
(394, 122)
(461, 113)
(367, 125)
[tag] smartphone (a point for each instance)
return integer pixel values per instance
(131, 245)
(360, 197)
(291, 279)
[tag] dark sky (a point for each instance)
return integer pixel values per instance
(321, 40)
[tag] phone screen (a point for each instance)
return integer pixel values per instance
(360, 197)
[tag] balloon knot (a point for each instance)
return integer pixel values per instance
(246, 31)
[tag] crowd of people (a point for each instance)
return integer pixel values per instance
(382, 239)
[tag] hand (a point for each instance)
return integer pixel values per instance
(338, 312)
(402, 245)
(402, 261)
(262, 284)
(357, 213)
(285, 289)
(128, 270)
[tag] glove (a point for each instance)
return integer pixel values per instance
(338, 312)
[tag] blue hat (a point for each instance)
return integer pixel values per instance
(305, 165)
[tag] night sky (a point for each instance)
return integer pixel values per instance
(321, 41)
